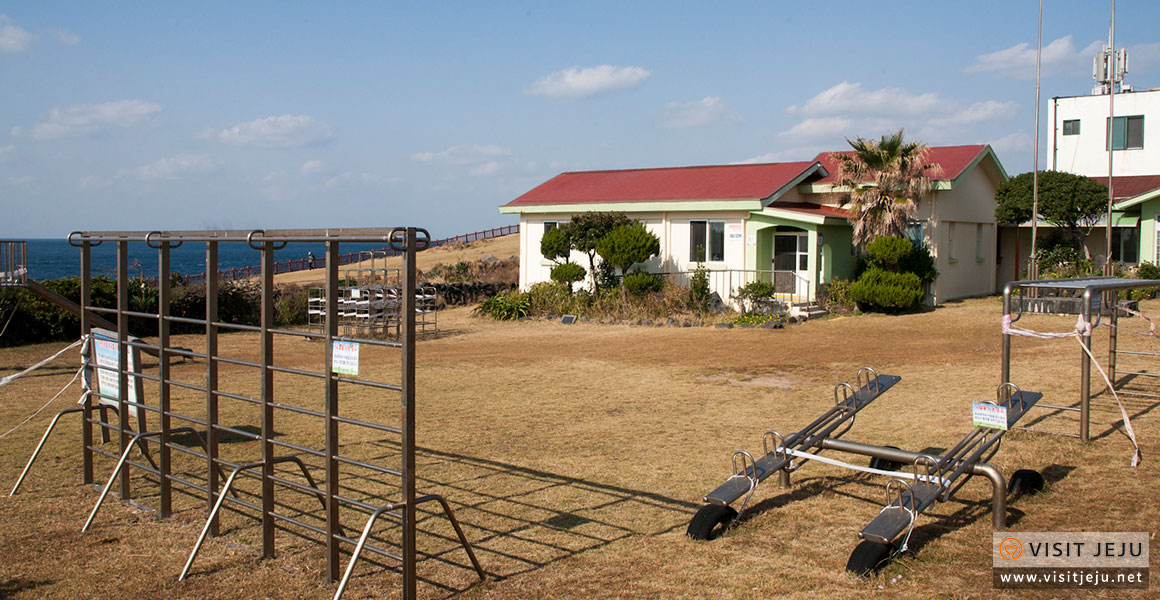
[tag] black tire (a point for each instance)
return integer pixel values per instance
(1025, 482)
(868, 557)
(885, 464)
(710, 522)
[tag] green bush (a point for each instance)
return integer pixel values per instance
(290, 306)
(752, 294)
(627, 245)
(885, 291)
(568, 273)
(837, 296)
(554, 298)
(507, 306)
(887, 252)
(639, 284)
(1147, 270)
(699, 292)
(556, 245)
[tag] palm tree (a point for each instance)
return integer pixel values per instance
(883, 181)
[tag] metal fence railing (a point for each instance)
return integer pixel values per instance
(790, 288)
(13, 263)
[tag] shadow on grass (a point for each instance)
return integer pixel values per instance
(11, 587)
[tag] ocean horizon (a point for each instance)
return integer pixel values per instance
(52, 258)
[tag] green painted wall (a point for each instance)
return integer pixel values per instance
(840, 263)
(1148, 211)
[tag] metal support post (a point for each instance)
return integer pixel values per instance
(408, 425)
(211, 381)
(267, 400)
(331, 395)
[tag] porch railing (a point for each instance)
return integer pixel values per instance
(789, 287)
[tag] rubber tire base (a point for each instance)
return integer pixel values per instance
(710, 521)
(868, 557)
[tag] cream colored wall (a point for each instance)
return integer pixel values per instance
(672, 229)
(961, 211)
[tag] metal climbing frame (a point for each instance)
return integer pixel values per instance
(335, 495)
(370, 302)
(932, 477)
(13, 263)
(1096, 295)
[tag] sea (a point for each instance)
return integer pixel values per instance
(55, 258)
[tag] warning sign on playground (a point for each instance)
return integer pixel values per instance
(345, 358)
(985, 414)
(105, 354)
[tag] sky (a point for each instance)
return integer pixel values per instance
(242, 115)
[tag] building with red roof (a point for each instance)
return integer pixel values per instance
(781, 222)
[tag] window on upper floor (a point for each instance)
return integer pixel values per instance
(706, 241)
(1128, 133)
(1071, 127)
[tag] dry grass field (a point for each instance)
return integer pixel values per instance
(501, 247)
(575, 455)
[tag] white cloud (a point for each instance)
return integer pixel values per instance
(6, 152)
(1014, 142)
(92, 182)
(1142, 57)
(1018, 61)
(847, 111)
(21, 180)
(788, 155)
(313, 177)
(462, 155)
(695, 114)
(68, 38)
(821, 127)
(310, 166)
(94, 119)
(285, 131)
(350, 179)
(174, 167)
(578, 82)
(12, 37)
(846, 98)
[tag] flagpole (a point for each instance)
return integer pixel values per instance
(1034, 266)
(1111, 135)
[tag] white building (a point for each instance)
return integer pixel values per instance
(1079, 130)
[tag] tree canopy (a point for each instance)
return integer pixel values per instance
(585, 230)
(882, 183)
(1073, 203)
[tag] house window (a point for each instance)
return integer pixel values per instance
(1128, 133)
(914, 231)
(550, 225)
(706, 240)
(1125, 244)
(1071, 127)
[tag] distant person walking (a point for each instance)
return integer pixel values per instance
(310, 258)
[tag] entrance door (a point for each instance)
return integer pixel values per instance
(791, 263)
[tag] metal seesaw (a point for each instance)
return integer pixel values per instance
(933, 478)
(713, 517)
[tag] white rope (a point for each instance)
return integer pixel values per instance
(9, 379)
(1082, 329)
(41, 409)
(837, 463)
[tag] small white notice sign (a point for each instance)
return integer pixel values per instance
(751, 240)
(985, 414)
(735, 231)
(345, 357)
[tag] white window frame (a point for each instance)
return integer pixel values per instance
(708, 225)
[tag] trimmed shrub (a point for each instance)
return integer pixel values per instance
(836, 297)
(568, 273)
(554, 298)
(1147, 270)
(639, 284)
(885, 291)
(887, 252)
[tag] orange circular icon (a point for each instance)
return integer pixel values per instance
(1010, 549)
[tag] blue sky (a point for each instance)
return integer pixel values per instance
(166, 115)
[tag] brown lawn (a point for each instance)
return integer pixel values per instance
(575, 456)
(501, 247)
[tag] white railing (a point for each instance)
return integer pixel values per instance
(789, 287)
(13, 263)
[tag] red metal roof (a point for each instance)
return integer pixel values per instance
(720, 182)
(1130, 186)
(953, 160)
(812, 209)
